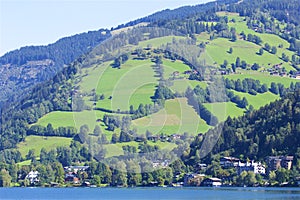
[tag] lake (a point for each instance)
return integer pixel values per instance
(150, 193)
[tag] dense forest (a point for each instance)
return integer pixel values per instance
(257, 134)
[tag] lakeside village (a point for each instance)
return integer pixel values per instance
(77, 176)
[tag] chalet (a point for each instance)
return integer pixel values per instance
(32, 176)
(228, 162)
(256, 168)
(211, 182)
(71, 177)
(276, 162)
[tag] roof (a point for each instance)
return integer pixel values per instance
(215, 179)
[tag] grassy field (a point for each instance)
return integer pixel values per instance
(174, 66)
(76, 119)
(224, 109)
(262, 77)
(39, 142)
(274, 40)
(26, 162)
(134, 75)
(142, 95)
(218, 51)
(258, 100)
(180, 85)
(57, 119)
(177, 117)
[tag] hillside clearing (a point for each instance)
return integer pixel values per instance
(38, 142)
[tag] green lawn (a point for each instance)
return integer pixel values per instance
(39, 142)
(218, 51)
(262, 77)
(258, 100)
(57, 119)
(180, 85)
(122, 84)
(224, 109)
(26, 162)
(94, 74)
(274, 40)
(177, 117)
(176, 65)
(142, 95)
(74, 119)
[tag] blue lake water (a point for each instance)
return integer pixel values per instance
(150, 193)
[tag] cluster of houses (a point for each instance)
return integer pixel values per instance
(296, 75)
(273, 163)
(72, 173)
(230, 162)
(71, 176)
(277, 70)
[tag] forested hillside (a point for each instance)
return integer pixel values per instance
(272, 130)
(189, 86)
(28, 66)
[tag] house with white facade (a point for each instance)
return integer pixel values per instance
(255, 167)
(32, 176)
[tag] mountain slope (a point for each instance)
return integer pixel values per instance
(272, 130)
(22, 69)
(105, 86)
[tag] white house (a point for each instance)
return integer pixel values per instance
(255, 167)
(32, 176)
(212, 182)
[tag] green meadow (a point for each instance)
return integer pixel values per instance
(264, 78)
(76, 119)
(177, 117)
(218, 50)
(180, 85)
(258, 100)
(122, 84)
(273, 40)
(38, 142)
(224, 109)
